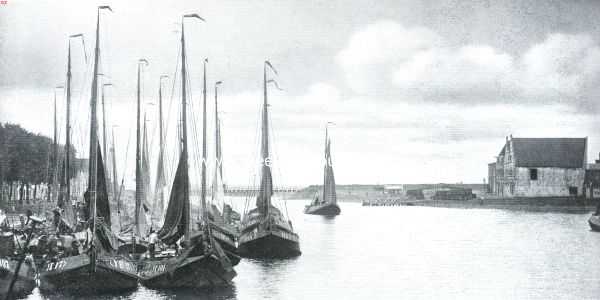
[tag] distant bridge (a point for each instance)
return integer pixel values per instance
(251, 190)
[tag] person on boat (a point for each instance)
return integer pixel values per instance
(75, 248)
(152, 241)
(60, 225)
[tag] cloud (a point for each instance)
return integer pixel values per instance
(389, 60)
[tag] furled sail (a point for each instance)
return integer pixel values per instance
(176, 218)
(102, 204)
(263, 202)
(266, 190)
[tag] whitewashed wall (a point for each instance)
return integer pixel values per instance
(550, 182)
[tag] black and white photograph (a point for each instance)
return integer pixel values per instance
(318, 149)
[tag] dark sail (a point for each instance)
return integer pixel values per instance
(102, 203)
(176, 218)
(329, 194)
(266, 190)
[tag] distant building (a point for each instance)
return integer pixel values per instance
(539, 167)
(393, 189)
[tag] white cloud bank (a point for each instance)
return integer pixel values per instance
(387, 59)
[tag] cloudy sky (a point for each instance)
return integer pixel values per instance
(420, 91)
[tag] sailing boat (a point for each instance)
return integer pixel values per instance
(98, 269)
(134, 238)
(222, 231)
(201, 263)
(265, 232)
(327, 205)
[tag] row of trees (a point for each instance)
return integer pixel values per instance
(27, 161)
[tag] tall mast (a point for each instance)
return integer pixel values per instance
(265, 119)
(326, 165)
(114, 166)
(265, 176)
(66, 199)
(160, 176)
(218, 161)
(204, 212)
(93, 156)
(184, 150)
(67, 195)
(55, 159)
(139, 180)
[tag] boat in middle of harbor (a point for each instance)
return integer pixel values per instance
(265, 231)
(327, 204)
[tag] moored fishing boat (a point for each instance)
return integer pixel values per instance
(201, 263)
(134, 238)
(265, 231)
(327, 204)
(95, 268)
(222, 229)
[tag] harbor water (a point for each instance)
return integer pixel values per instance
(413, 252)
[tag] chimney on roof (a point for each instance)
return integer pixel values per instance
(507, 138)
(598, 160)
(511, 136)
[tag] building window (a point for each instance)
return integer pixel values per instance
(573, 190)
(533, 174)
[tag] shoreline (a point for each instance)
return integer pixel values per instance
(535, 204)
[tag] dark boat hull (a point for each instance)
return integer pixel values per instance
(74, 274)
(329, 209)
(231, 251)
(25, 282)
(206, 271)
(269, 245)
(227, 242)
(594, 222)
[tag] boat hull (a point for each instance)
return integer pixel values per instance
(269, 245)
(206, 271)
(227, 242)
(25, 282)
(329, 209)
(594, 222)
(231, 251)
(74, 274)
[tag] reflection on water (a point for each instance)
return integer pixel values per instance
(420, 253)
